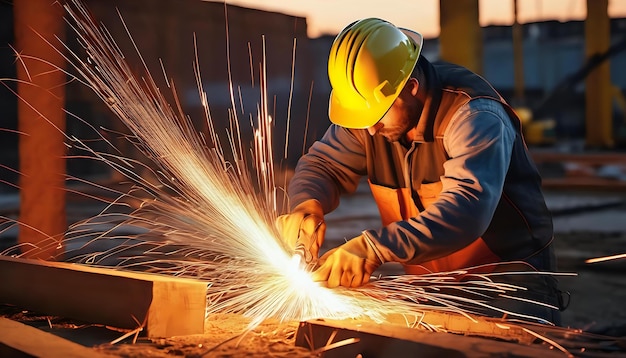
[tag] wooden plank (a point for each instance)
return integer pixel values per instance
(477, 326)
(372, 340)
(584, 183)
(584, 175)
(168, 306)
(20, 340)
(586, 158)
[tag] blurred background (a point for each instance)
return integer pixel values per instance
(560, 63)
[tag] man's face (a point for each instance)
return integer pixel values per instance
(400, 119)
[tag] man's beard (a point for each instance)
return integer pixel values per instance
(398, 133)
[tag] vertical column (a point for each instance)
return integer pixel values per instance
(518, 57)
(598, 115)
(41, 121)
(460, 39)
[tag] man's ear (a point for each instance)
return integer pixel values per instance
(412, 85)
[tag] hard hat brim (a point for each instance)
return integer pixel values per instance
(367, 117)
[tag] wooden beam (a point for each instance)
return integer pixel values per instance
(477, 326)
(585, 183)
(20, 340)
(597, 159)
(372, 340)
(167, 306)
(585, 176)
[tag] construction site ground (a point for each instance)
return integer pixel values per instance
(589, 222)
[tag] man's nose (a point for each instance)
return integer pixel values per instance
(373, 129)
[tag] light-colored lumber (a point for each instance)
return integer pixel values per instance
(20, 340)
(165, 306)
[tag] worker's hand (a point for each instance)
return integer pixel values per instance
(349, 265)
(304, 227)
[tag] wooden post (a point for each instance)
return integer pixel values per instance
(460, 39)
(598, 93)
(518, 58)
(41, 120)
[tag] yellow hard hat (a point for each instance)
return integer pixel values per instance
(370, 61)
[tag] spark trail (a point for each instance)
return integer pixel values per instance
(211, 218)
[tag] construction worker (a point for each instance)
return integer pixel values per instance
(444, 157)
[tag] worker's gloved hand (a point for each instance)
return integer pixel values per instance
(349, 265)
(304, 228)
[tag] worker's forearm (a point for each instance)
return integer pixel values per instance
(310, 206)
(332, 167)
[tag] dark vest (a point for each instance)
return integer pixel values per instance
(521, 225)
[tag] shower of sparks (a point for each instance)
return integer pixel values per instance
(211, 218)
